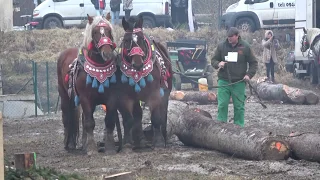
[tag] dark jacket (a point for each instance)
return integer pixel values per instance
(115, 5)
(237, 69)
(96, 4)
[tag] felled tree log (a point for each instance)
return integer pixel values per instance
(202, 97)
(305, 146)
(195, 129)
(286, 94)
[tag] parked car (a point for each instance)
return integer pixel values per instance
(64, 13)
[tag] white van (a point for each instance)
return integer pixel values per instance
(250, 15)
(64, 13)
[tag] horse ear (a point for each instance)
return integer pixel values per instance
(125, 24)
(139, 22)
(90, 19)
(108, 16)
(304, 30)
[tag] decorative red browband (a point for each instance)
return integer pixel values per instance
(102, 24)
(135, 30)
(136, 51)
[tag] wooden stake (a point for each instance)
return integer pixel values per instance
(119, 176)
(24, 161)
(1, 148)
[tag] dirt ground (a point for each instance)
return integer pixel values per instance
(44, 135)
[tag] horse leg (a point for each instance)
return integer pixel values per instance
(89, 125)
(110, 122)
(84, 134)
(164, 113)
(126, 110)
(156, 118)
(137, 133)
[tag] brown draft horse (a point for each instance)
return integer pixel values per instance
(87, 77)
(146, 76)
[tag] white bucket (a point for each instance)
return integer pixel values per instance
(203, 84)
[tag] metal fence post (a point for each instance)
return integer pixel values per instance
(48, 98)
(35, 89)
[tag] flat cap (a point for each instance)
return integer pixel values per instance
(232, 31)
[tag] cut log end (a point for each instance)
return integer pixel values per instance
(276, 149)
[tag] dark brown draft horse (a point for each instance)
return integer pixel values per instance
(87, 77)
(146, 76)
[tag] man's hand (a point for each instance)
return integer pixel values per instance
(221, 64)
(246, 78)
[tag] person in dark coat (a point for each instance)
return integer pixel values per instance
(115, 11)
(99, 5)
(127, 8)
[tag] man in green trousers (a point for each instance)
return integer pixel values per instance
(232, 57)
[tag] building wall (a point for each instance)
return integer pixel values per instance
(6, 15)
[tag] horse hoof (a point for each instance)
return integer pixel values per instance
(91, 153)
(101, 149)
(127, 148)
(100, 144)
(110, 152)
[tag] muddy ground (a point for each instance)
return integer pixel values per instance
(44, 135)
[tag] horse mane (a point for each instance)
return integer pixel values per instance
(89, 27)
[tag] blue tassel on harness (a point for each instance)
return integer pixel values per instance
(88, 80)
(106, 83)
(76, 101)
(142, 83)
(161, 92)
(113, 79)
(150, 78)
(101, 88)
(131, 81)
(124, 78)
(137, 88)
(94, 83)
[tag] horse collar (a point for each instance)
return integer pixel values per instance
(99, 72)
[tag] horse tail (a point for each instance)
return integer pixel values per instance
(119, 133)
(75, 123)
(70, 113)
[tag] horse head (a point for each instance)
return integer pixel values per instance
(305, 45)
(98, 37)
(134, 42)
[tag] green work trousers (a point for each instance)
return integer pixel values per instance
(237, 92)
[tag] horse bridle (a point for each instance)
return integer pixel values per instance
(137, 50)
(104, 39)
(304, 44)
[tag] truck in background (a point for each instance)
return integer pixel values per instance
(304, 64)
(251, 15)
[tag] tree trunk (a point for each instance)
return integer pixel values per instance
(196, 128)
(202, 97)
(305, 146)
(286, 94)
